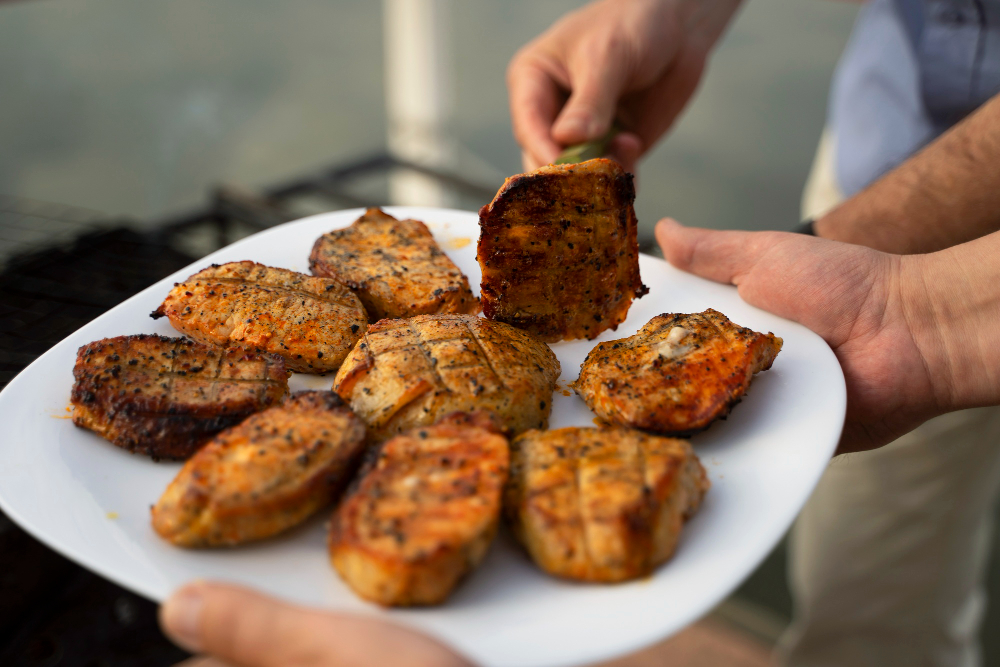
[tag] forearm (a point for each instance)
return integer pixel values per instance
(946, 194)
(951, 304)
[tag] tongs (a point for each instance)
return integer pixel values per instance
(589, 150)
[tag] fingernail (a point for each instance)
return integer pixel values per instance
(181, 613)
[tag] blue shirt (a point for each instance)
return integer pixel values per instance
(911, 70)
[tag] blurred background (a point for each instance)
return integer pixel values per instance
(136, 137)
(137, 110)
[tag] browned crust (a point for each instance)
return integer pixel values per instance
(602, 505)
(624, 382)
(263, 476)
(164, 397)
(423, 514)
(395, 267)
(559, 252)
(407, 373)
(312, 323)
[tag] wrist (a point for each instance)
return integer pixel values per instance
(855, 222)
(926, 327)
(950, 303)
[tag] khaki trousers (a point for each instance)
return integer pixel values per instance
(887, 560)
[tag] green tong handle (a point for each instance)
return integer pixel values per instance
(588, 150)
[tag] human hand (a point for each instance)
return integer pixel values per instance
(869, 306)
(236, 627)
(634, 61)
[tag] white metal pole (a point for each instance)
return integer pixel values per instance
(419, 92)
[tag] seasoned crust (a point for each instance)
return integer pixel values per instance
(603, 504)
(558, 250)
(407, 373)
(311, 322)
(677, 374)
(424, 514)
(395, 267)
(263, 476)
(164, 397)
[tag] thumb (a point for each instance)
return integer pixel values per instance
(244, 628)
(819, 283)
(597, 80)
(716, 255)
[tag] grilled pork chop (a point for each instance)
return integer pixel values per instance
(601, 504)
(264, 475)
(407, 373)
(166, 396)
(677, 374)
(424, 514)
(558, 250)
(395, 266)
(311, 322)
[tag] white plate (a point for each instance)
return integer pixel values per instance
(90, 500)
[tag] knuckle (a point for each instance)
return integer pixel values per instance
(523, 60)
(514, 68)
(607, 48)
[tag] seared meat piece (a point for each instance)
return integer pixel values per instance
(424, 514)
(311, 322)
(407, 373)
(677, 374)
(601, 504)
(558, 250)
(395, 266)
(166, 396)
(265, 475)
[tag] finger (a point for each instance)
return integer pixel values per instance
(596, 80)
(821, 284)
(626, 149)
(654, 110)
(248, 629)
(720, 256)
(529, 162)
(202, 661)
(535, 99)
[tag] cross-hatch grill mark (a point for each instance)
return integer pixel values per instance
(584, 536)
(438, 380)
(433, 367)
(640, 456)
(218, 374)
(172, 375)
(215, 381)
(718, 330)
(280, 288)
(485, 355)
(414, 267)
